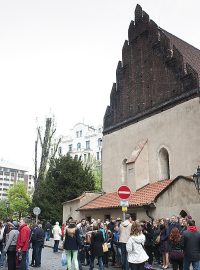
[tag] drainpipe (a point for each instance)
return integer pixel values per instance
(146, 208)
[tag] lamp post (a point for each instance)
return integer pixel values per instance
(196, 178)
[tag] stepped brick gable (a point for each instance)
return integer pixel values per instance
(157, 71)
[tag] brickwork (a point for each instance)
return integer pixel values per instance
(154, 74)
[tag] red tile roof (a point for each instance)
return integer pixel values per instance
(143, 196)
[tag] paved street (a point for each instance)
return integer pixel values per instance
(50, 260)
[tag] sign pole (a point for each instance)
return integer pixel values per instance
(123, 215)
(36, 219)
(124, 193)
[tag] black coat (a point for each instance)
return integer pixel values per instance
(96, 244)
(37, 236)
(191, 245)
(72, 238)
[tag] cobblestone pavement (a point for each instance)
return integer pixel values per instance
(50, 260)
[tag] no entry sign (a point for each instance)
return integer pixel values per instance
(124, 192)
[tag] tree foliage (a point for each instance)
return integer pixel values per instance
(3, 210)
(19, 199)
(66, 179)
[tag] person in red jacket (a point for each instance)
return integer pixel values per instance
(23, 243)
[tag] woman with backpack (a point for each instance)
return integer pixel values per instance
(72, 243)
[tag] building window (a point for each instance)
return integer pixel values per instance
(1, 173)
(77, 134)
(60, 150)
(88, 156)
(87, 144)
(124, 171)
(97, 155)
(70, 147)
(76, 157)
(99, 142)
(164, 168)
(85, 157)
(78, 146)
(80, 133)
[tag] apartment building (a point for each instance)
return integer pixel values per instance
(10, 174)
(83, 142)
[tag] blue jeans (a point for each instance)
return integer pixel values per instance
(125, 265)
(100, 262)
(38, 253)
(27, 260)
(47, 235)
(187, 262)
(56, 244)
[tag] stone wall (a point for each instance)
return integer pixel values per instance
(176, 129)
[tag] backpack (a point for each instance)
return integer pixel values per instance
(71, 232)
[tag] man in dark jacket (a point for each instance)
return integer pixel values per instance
(37, 239)
(191, 246)
(72, 243)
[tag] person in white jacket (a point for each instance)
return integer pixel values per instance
(56, 236)
(136, 254)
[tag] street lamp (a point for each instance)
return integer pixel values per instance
(196, 178)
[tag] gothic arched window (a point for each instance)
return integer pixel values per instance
(164, 168)
(124, 171)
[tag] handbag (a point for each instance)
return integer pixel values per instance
(63, 259)
(105, 247)
(176, 254)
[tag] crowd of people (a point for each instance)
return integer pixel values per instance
(16, 238)
(127, 244)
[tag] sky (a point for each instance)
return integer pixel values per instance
(60, 57)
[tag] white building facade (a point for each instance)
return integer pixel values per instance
(10, 174)
(83, 142)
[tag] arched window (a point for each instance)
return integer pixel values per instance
(124, 172)
(164, 169)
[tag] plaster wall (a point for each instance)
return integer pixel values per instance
(70, 207)
(182, 195)
(177, 129)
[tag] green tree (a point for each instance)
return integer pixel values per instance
(3, 209)
(19, 199)
(96, 168)
(66, 179)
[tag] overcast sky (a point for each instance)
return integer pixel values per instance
(60, 56)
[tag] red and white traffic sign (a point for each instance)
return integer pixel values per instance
(124, 192)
